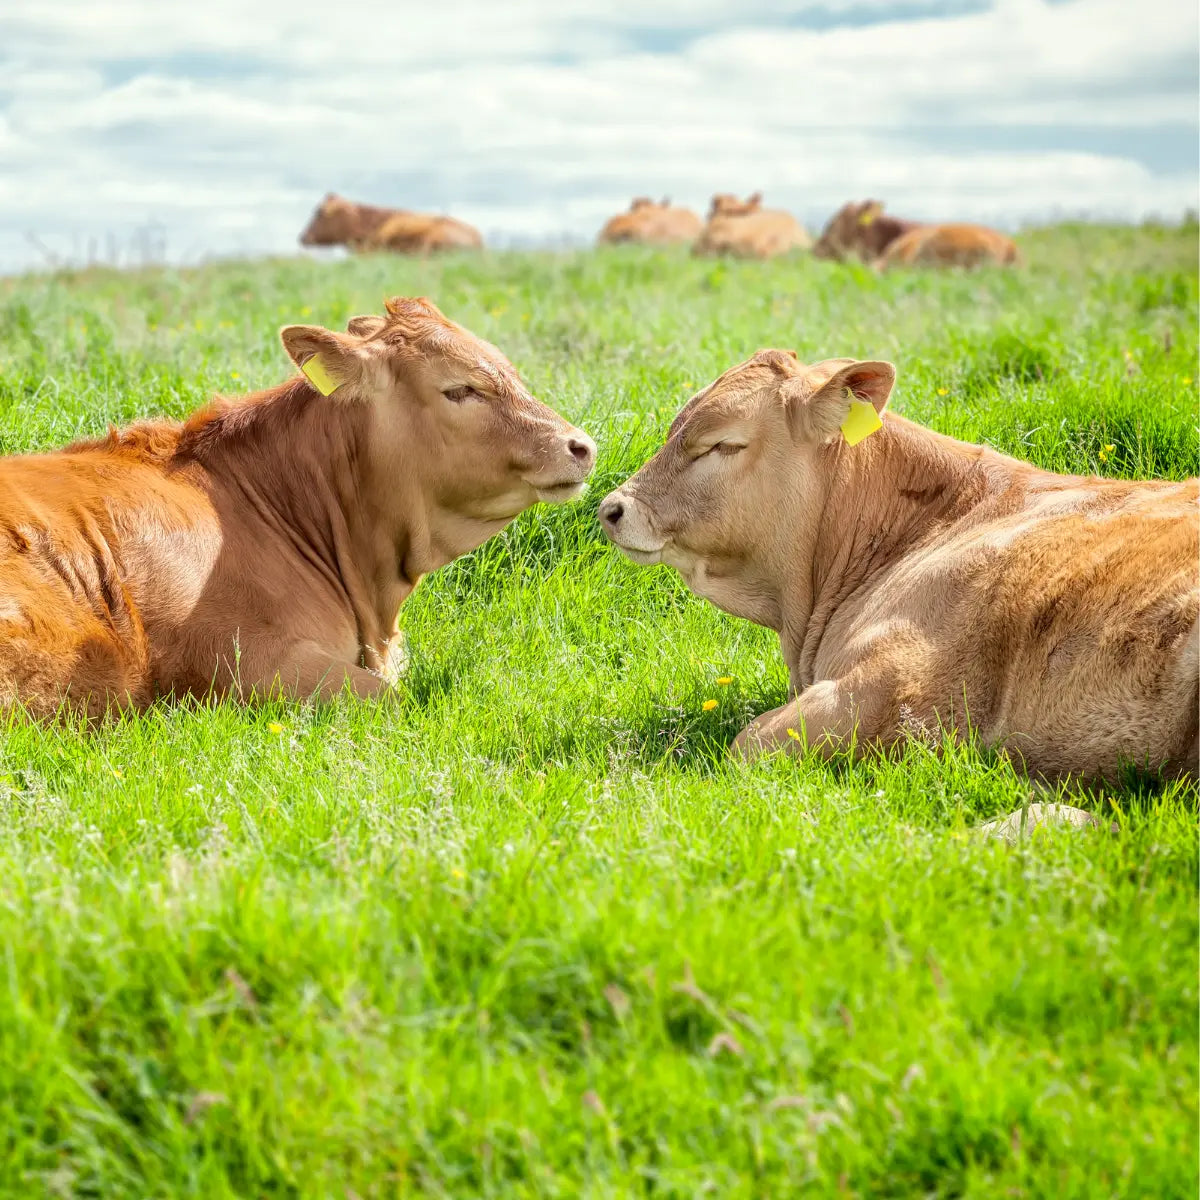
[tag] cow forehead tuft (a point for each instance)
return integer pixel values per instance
(781, 362)
(402, 307)
(736, 384)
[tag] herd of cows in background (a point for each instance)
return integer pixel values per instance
(739, 228)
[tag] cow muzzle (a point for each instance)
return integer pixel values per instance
(627, 525)
(568, 464)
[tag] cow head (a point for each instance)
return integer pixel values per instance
(843, 235)
(742, 472)
(334, 223)
(724, 204)
(453, 431)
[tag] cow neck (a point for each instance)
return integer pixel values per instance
(295, 470)
(882, 498)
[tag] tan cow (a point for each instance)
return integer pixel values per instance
(269, 540)
(341, 222)
(949, 246)
(860, 229)
(744, 229)
(652, 224)
(919, 583)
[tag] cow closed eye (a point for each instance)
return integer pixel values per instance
(725, 449)
(458, 394)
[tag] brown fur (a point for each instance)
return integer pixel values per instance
(949, 246)
(269, 541)
(860, 230)
(652, 224)
(744, 229)
(341, 222)
(918, 582)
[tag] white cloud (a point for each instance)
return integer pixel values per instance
(226, 122)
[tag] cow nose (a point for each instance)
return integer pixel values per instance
(611, 512)
(582, 449)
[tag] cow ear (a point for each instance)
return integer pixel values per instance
(822, 415)
(330, 360)
(365, 326)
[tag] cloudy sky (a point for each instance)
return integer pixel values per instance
(214, 128)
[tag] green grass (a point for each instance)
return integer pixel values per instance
(527, 931)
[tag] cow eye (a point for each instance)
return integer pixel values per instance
(458, 394)
(725, 448)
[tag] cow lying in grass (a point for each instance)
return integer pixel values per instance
(860, 230)
(652, 224)
(917, 581)
(268, 542)
(744, 229)
(863, 230)
(341, 222)
(949, 246)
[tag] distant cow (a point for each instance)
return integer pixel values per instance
(920, 584)
(744, 229)
(341, 222)
(268, 542)
(860, 229)
(652, 224)
(949, 246)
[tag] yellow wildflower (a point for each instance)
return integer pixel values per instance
(306, 311)
(234, 375)
(1105, 451)
(1186, 380)
(117, 772)
(725, 680)
(943, 391)
(458, 874)
(274, 727)
(709, 705)
(794, 735)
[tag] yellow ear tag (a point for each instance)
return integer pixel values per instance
(321, 379)
(866, 218)
(861, 422)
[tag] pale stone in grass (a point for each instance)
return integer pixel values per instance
(1037, 816)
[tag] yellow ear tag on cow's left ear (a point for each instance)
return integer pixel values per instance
(321, 379)
(866, 218)
(860, 422)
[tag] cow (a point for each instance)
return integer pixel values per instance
(365, 227)
(922, 586)
(860, 230)
(949, 246)
(744, 229)
(652, 224)
(265, 545)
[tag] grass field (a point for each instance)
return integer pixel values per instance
(528, 932)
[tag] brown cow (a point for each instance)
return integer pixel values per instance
(919, 582)
(860, 230)
(268, 541)
(652, 224)
(744, 229)
(341, 222)
(949, 246)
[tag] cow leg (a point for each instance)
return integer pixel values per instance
(311, 673)
(825, 718)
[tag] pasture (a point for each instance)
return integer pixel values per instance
(524, 930)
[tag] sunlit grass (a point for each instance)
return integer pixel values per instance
(525, 929)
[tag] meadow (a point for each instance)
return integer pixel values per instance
(526, 930)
